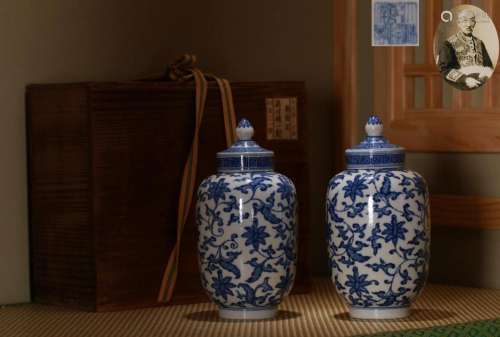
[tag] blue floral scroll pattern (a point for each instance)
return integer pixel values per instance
(382, 262)
(247, 238)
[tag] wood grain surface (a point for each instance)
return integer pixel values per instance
(105, 161)
(465, 211)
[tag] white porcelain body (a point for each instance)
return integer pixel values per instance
(247, 242)
(378, 235)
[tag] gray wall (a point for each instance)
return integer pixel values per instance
(67, 40)
(459, 256)
(59, 41)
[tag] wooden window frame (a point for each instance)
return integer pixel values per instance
(446, 210)
(433, 129)
(345, 121)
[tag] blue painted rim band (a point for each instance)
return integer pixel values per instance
(375, 160)
(244, 163)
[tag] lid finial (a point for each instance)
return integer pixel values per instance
(245, 155)
(374, 127)
(375, 152)
(244, 130)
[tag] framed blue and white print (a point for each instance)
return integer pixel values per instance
(395, 23)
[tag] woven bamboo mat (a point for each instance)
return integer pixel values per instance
(320, 313)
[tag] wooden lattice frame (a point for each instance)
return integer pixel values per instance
(459, 128)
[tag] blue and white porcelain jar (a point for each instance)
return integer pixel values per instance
(378, 229)
(246, 216)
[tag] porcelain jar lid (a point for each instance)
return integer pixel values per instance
(245, 155)
(375, 151)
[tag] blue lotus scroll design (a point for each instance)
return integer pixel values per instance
(222, 285)
(378, 236)
(247, 238)
(255, 235)
(354, 188)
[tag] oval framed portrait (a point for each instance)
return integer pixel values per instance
(466, 47)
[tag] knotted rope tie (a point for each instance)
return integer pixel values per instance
(183, 70)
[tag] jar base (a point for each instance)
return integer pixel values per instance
(248, 314)
(379, 313)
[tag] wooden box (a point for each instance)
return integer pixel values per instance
(105, 164)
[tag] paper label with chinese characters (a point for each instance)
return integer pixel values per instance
(281, 113)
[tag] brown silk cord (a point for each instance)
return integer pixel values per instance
(225, 107)
(187, 188)
(231, 114)
(180, 71)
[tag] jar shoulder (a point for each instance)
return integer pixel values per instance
(378, 177)
(248, 178)
(373, 173)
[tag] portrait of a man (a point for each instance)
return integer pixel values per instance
(463, 59)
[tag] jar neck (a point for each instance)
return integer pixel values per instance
(244, 163)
